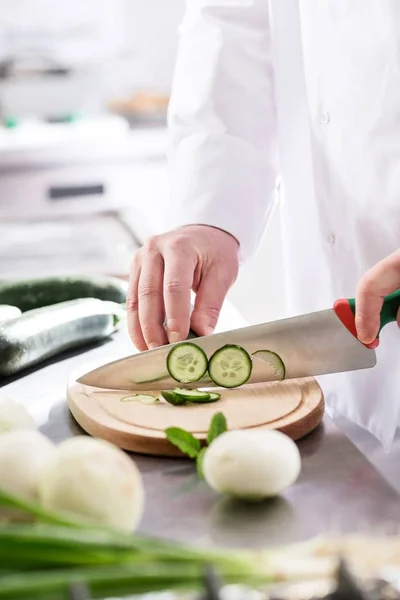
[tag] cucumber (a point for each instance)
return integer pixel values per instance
(142, 398)
(230, 366)
(214, 396)
(197, 396)
(186, 362)
(180, 396)
(29, 294)
(46, 332)
(273, 360)
(191, 395)
(204, 398)
(172, 398)
(7, 313)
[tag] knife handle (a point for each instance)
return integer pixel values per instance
(346, 309)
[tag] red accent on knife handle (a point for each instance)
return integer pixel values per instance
(345, 313)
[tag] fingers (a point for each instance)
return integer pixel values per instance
(132, 305)
(163, 274)
(151, 301)
(178, 281)
(210, 297)
(160, 286)
(378, 282)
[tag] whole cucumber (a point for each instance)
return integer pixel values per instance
(29, 294)
(45, 332)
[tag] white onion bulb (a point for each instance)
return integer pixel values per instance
(94, 480)
(250, 464)
(23, 456)
(14, 415)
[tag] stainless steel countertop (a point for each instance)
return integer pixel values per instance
(338, 489)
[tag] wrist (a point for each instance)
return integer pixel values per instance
(212, 227)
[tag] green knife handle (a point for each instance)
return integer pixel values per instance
(346, 310)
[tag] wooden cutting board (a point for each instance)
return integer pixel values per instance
(294, 407)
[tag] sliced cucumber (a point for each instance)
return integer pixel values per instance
(211, 397)
(273, 360)
(186, 362)
(191, 395)
(180, 396)
(230, 366)
(143, 398)
(197, 396)
(173, 398)
(214, 396)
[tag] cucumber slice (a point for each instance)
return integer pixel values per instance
(212, 397)
(173, 398)
(230, 366)
(143, 398)
(198, 396)
(191, 395)
(186, 362)
(180, 396)
(273, 360)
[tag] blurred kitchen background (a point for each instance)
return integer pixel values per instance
(84, 89)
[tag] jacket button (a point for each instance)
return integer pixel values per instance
(325, 117)
(331, 239)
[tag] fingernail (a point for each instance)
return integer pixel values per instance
(174, 337)
(153, 345)
(208, 330)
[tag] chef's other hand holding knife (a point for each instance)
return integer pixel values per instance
(163, 273)
(380, 281)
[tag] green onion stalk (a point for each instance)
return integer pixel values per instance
(43, 557)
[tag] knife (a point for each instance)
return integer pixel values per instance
(313, 344)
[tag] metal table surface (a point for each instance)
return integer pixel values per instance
(338, 489)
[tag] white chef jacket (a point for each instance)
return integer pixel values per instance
(307, 91)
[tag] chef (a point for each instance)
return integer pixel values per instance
(297, 100)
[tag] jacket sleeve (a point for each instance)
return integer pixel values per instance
(221, 120)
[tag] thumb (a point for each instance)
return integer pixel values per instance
(378, 282)
(209, 300)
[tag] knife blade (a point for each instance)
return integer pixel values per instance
(309, 345)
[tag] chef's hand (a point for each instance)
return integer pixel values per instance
(381, 280)
(199, 258)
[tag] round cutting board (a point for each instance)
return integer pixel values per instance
(295, 407)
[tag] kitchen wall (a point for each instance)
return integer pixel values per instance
(113, 46)
(152, 28)
(134, 49)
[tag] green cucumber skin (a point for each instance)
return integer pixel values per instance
(45, 332)
(191, 395)
(212, 397)
(172, 398)
(35, 293)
